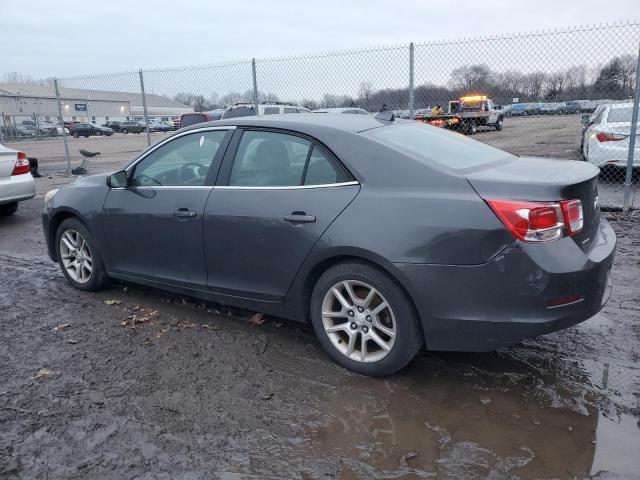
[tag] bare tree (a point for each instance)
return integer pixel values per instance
(19, 78)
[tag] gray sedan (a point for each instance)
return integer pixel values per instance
(387, 235)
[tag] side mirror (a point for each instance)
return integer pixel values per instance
(584, 120)
(118, 180)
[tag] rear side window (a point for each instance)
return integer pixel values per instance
(433, 144)
(322, 170)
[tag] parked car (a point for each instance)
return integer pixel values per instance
(16, 181)
(248, 109)
(519, 109)
(606, 136)
(187, 119)
(571, 107)
(89, 129)
(17, 131)
(113, 125)
(131, 127)
(551, 108)
(459, 246)
(588, 106)
(352, 110)
(156, 126)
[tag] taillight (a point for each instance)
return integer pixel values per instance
(22, 165)
(539, 221)
(573, 215)
(609, 137)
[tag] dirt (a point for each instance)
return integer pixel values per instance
(134, 383)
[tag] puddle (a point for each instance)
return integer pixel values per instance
(469, 423)
(617, 446)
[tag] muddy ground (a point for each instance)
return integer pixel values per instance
(132, 383)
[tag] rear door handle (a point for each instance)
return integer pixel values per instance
(184, 213)
(300, 217)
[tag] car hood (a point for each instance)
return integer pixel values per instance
(98, 179)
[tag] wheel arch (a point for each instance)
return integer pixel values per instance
(55, 222)
(321, 265)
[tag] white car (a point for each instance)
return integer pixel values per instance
(352, 110)
(606, 138)
(16, 182)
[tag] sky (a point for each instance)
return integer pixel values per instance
(62, 38)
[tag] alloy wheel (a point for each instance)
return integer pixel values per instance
(359, 321)
(76, 256)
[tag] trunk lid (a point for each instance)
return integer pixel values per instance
(8, 158)
(544, 180)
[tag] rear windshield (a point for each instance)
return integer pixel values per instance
(239, 112)
(434, 144)
(620, 115)
(192, 119)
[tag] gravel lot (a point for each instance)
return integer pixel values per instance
(133, 383)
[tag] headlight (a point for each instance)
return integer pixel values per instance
(49, 195)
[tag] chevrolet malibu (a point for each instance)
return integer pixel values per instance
(388, 236)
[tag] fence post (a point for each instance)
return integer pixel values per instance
(632, 140)
(3, 132)
(64, 135)
(411, 74)
(255, 85)
(144, 108)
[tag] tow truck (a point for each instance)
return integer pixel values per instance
(466, 114)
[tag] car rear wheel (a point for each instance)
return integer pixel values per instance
(125, 131)
(79, 256)
(8, 209)
(364, 320)
(499, 124)
(76, 135)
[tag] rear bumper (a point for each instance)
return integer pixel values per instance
(483, 307)
(611, 153)
(17, 188)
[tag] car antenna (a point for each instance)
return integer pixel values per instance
(385, 114)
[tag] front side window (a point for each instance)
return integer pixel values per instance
(433, 144)
(184, 161)
(269, 159)
(290, 110)
(271, 110)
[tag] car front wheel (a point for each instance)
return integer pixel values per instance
(364, 320)
(79, 256)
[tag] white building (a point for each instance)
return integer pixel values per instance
(20, 101)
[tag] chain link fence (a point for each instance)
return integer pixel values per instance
(567, 94)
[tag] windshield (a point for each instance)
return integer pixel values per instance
(438, 145)
(620, 115)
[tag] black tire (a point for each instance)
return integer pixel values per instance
(471, 128)
(98, 278)
(499, 124)
(409, 338)
(75, 135)
(109, 134)
(8, 209)
(125, 131)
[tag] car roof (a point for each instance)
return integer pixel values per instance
(303, 122)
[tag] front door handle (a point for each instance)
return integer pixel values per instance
(300, 217)
(184, 213)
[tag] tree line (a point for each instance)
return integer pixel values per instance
(614, 80)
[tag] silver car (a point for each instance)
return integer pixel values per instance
(16, 181)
